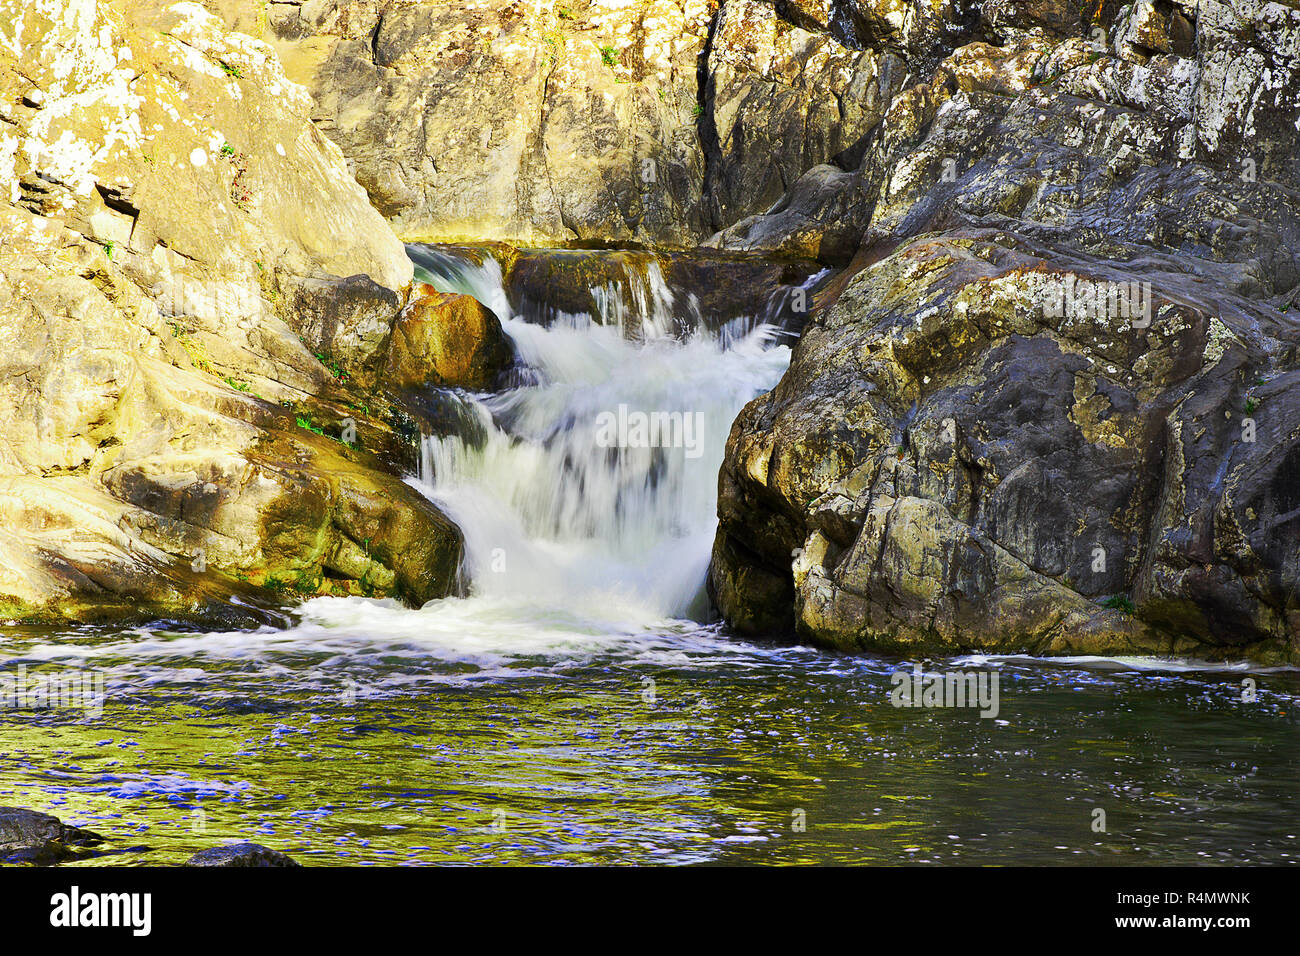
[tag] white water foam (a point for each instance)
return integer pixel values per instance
(554, 519)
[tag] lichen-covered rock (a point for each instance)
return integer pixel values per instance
(1092, 146)
(921, 30)
(952, 464)
(241, 854)
(193, 290)
(27, 836)
(1010, 20)
(1146, 28)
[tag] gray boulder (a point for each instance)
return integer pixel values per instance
(27, 836)
(240, 854)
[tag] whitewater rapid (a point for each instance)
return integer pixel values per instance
(556, 513)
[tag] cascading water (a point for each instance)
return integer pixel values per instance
(592, 486)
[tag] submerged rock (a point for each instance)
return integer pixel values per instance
(241, 854)
(27, 836)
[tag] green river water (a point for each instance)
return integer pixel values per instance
(668, 746)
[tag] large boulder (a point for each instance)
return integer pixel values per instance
(448, 339)
(953, 462)
(241, 854)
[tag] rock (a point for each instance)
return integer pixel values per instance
(27, 836)
(820, 217)
(241, 854)
(582, 122)
(602, 120)
(947, 466)
(547, 284)
(1085, 148)
(780, 100)
(1010, 20)
(813, 15)
(665, 293)
(921, 30)
(448, 339)
(195, 297)
(1152, 28)
(721, 289)
(351, 318)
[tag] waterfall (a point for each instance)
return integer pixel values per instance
(593, 484)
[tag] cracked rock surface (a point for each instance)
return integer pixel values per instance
(976, 446)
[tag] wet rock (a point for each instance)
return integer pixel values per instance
(739, 290)
(611, 288)
(666, 293)
(241, 854)
(821, 217)
(448, 339)
(27, 836)
(947, 465)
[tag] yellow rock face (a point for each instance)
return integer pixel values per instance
(176, 231)
(447, 339)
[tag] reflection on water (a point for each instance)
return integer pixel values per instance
(474, 731)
